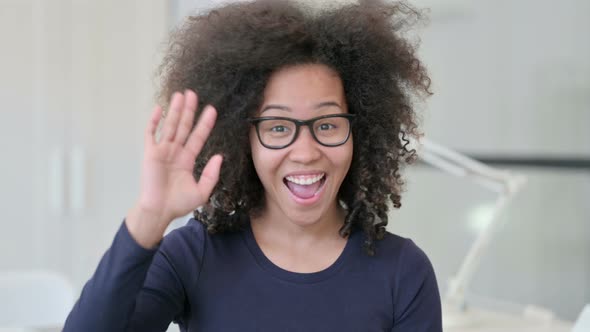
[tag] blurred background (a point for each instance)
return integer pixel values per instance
(512, 89)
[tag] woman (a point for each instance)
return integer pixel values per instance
(309, 111)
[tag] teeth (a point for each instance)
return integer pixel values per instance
(305, 179)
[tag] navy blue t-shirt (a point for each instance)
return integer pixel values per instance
(224, 282)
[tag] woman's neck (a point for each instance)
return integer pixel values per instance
(272, 225)
(300, 248)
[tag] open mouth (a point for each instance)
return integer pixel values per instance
(305, 186)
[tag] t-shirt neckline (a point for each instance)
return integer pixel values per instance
(296, 277)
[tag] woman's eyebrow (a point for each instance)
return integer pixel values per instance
(327, 103)
(272, 106)
(288, 109)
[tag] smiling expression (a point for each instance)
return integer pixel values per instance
(301, 181)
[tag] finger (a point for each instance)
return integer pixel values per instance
(188, 114)
(202, 130)
(150, 132)
(172, 117)
(209, 177)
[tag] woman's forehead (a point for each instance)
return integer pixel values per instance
(309, 87)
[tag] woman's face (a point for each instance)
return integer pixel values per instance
(301, 181)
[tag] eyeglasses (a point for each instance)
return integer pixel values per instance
(275, 132)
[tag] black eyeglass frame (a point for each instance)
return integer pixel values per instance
(298, 123)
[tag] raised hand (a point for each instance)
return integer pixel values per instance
(168, 188)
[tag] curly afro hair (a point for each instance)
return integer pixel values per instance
(228, 54)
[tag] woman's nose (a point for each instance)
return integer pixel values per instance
(305, 149)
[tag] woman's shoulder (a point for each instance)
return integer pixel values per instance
(185, 242)
(396, 246)
(195, 237)
(191, 231)
(401, 256)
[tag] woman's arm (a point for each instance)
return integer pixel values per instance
(138, 289)
(133, 289)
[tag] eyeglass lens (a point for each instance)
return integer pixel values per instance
(281, 132)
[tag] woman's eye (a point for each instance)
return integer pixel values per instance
(278, 129)
(326, 126)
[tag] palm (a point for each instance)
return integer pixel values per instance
(168, 187)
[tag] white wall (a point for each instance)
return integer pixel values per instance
(76, 82)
